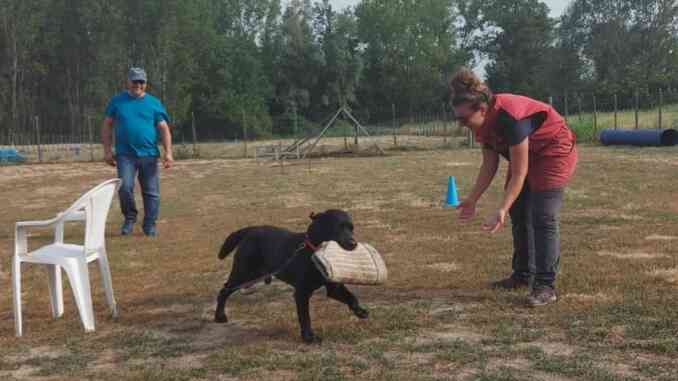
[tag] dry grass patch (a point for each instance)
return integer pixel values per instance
(444, 267)
(658, 237)
(633, 255)
(587, 298)
(668, 275)
(435, 318)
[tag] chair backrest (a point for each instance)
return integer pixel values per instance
(95, 204)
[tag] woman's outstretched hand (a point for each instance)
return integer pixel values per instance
(495, 222)
(467, 209)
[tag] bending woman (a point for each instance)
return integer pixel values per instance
(542, 157)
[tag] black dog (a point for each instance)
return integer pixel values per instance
(263, 250)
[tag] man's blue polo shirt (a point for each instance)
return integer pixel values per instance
(135, 124)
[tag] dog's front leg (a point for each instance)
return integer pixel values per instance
(338, 291)
(302, 298)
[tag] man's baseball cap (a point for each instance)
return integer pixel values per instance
(136, 74)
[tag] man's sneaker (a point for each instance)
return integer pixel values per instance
(150, 231)
(541, 296)
(127, 228)
(510, 283)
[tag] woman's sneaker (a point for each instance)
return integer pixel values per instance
(510, 283)
(541, 296)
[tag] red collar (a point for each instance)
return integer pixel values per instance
(309, 244)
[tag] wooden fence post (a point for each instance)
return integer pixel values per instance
(615, 111)
(637, 105)
(661, 104)
(395, 125)
(444, 117)
(567, 108)
(244, 132)
(90, 119)
(195, 136)
(595, 117)
(37, 131)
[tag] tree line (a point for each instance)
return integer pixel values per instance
(222, 63)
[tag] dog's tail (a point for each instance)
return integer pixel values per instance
(232, 241)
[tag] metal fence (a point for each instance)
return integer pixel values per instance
(388, 129)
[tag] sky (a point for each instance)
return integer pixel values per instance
(556, 6)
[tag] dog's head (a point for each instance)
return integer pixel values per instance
(332, 225)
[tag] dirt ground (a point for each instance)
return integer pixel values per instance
(435, 318)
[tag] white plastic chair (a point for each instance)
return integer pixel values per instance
(92, 208)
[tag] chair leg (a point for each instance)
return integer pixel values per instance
(78, 276)
(107, 281)
(16, 283)
(56, 291)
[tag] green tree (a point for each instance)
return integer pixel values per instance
(336, 34)
(410, 48)
(628, 43)
(301, 58)
(517, 38)
(19, 22)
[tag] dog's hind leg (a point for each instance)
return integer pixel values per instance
(338, 291)
(220, 313)
(236, 280)
(302, 298)
(241, 273)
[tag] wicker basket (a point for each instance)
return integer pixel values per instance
(363, 265)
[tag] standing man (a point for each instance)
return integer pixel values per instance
(138, 118)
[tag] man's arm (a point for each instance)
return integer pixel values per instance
(166, 137)
(107, 140)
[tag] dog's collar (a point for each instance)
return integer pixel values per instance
(308, 244)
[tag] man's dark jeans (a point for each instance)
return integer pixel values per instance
(536, 235)
(149, 179)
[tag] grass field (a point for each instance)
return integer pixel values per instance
(435, 319)
(586, 130)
